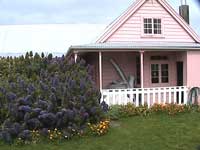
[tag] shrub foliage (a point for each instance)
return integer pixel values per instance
(44, 93)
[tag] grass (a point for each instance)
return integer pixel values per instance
(156, 132)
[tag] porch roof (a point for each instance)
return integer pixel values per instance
(135, 46)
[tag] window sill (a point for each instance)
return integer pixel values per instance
(153, 36)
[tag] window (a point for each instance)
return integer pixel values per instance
(155, 73)
(164, 73)
(148, 26)
(159, 57)
(152, 26)
(157, 26)
(159, 73)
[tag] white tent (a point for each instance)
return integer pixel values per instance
(48, 38)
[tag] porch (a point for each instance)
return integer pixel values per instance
(142, 73)
(157, 77)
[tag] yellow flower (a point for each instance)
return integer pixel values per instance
(49, 131)
(55, 129)
(51, 138)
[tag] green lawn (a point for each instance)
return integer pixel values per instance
(156, 132)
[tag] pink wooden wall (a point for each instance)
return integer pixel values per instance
(193, 68)
(126, 60)
(147, 69)
(132, 29)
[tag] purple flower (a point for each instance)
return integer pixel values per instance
(25, 108)
(82, 84)
(53, 89)
(11, 96)
(36, 111)
(82, 62)
(55, 81)
(89, 69)
(82, 99)
(33, 123)
(48, 119)
(59, 114)
(42, 104)
(53, 98)
(12, 85)
(93, 110)
(85, 116)
(2, 90)
(104, 106)
(43, 86)
(25, 101)
(25, 135)
(30, 89)
(72, 83)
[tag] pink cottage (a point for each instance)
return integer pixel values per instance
(149, 54)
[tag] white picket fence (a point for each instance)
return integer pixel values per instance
(149, 96)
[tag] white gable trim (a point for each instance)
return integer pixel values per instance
(133, 8)
(120, 20)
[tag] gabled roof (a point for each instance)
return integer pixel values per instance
(112, 28)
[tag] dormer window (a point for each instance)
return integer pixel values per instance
(152, 26)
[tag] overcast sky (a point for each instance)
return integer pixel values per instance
(74, 11)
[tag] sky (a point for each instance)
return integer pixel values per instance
(74, 11)
(78, 22)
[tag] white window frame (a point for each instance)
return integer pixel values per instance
(152, 35)
(160, 72)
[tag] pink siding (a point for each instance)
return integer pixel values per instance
(125, 60)
(147, 69)
(193, 65)
(132, 29)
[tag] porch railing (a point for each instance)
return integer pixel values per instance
(149, 96)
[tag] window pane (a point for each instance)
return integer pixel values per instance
(150, 31)
(164, 73)
(155, 73)
(155, 80)
(164, 67)
(157, 26)
(165, 80)
(148, 26)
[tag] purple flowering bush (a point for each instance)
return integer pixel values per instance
(44, 93)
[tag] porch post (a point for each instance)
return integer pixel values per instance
(142, 68)
(100, 71)
(75, 56)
